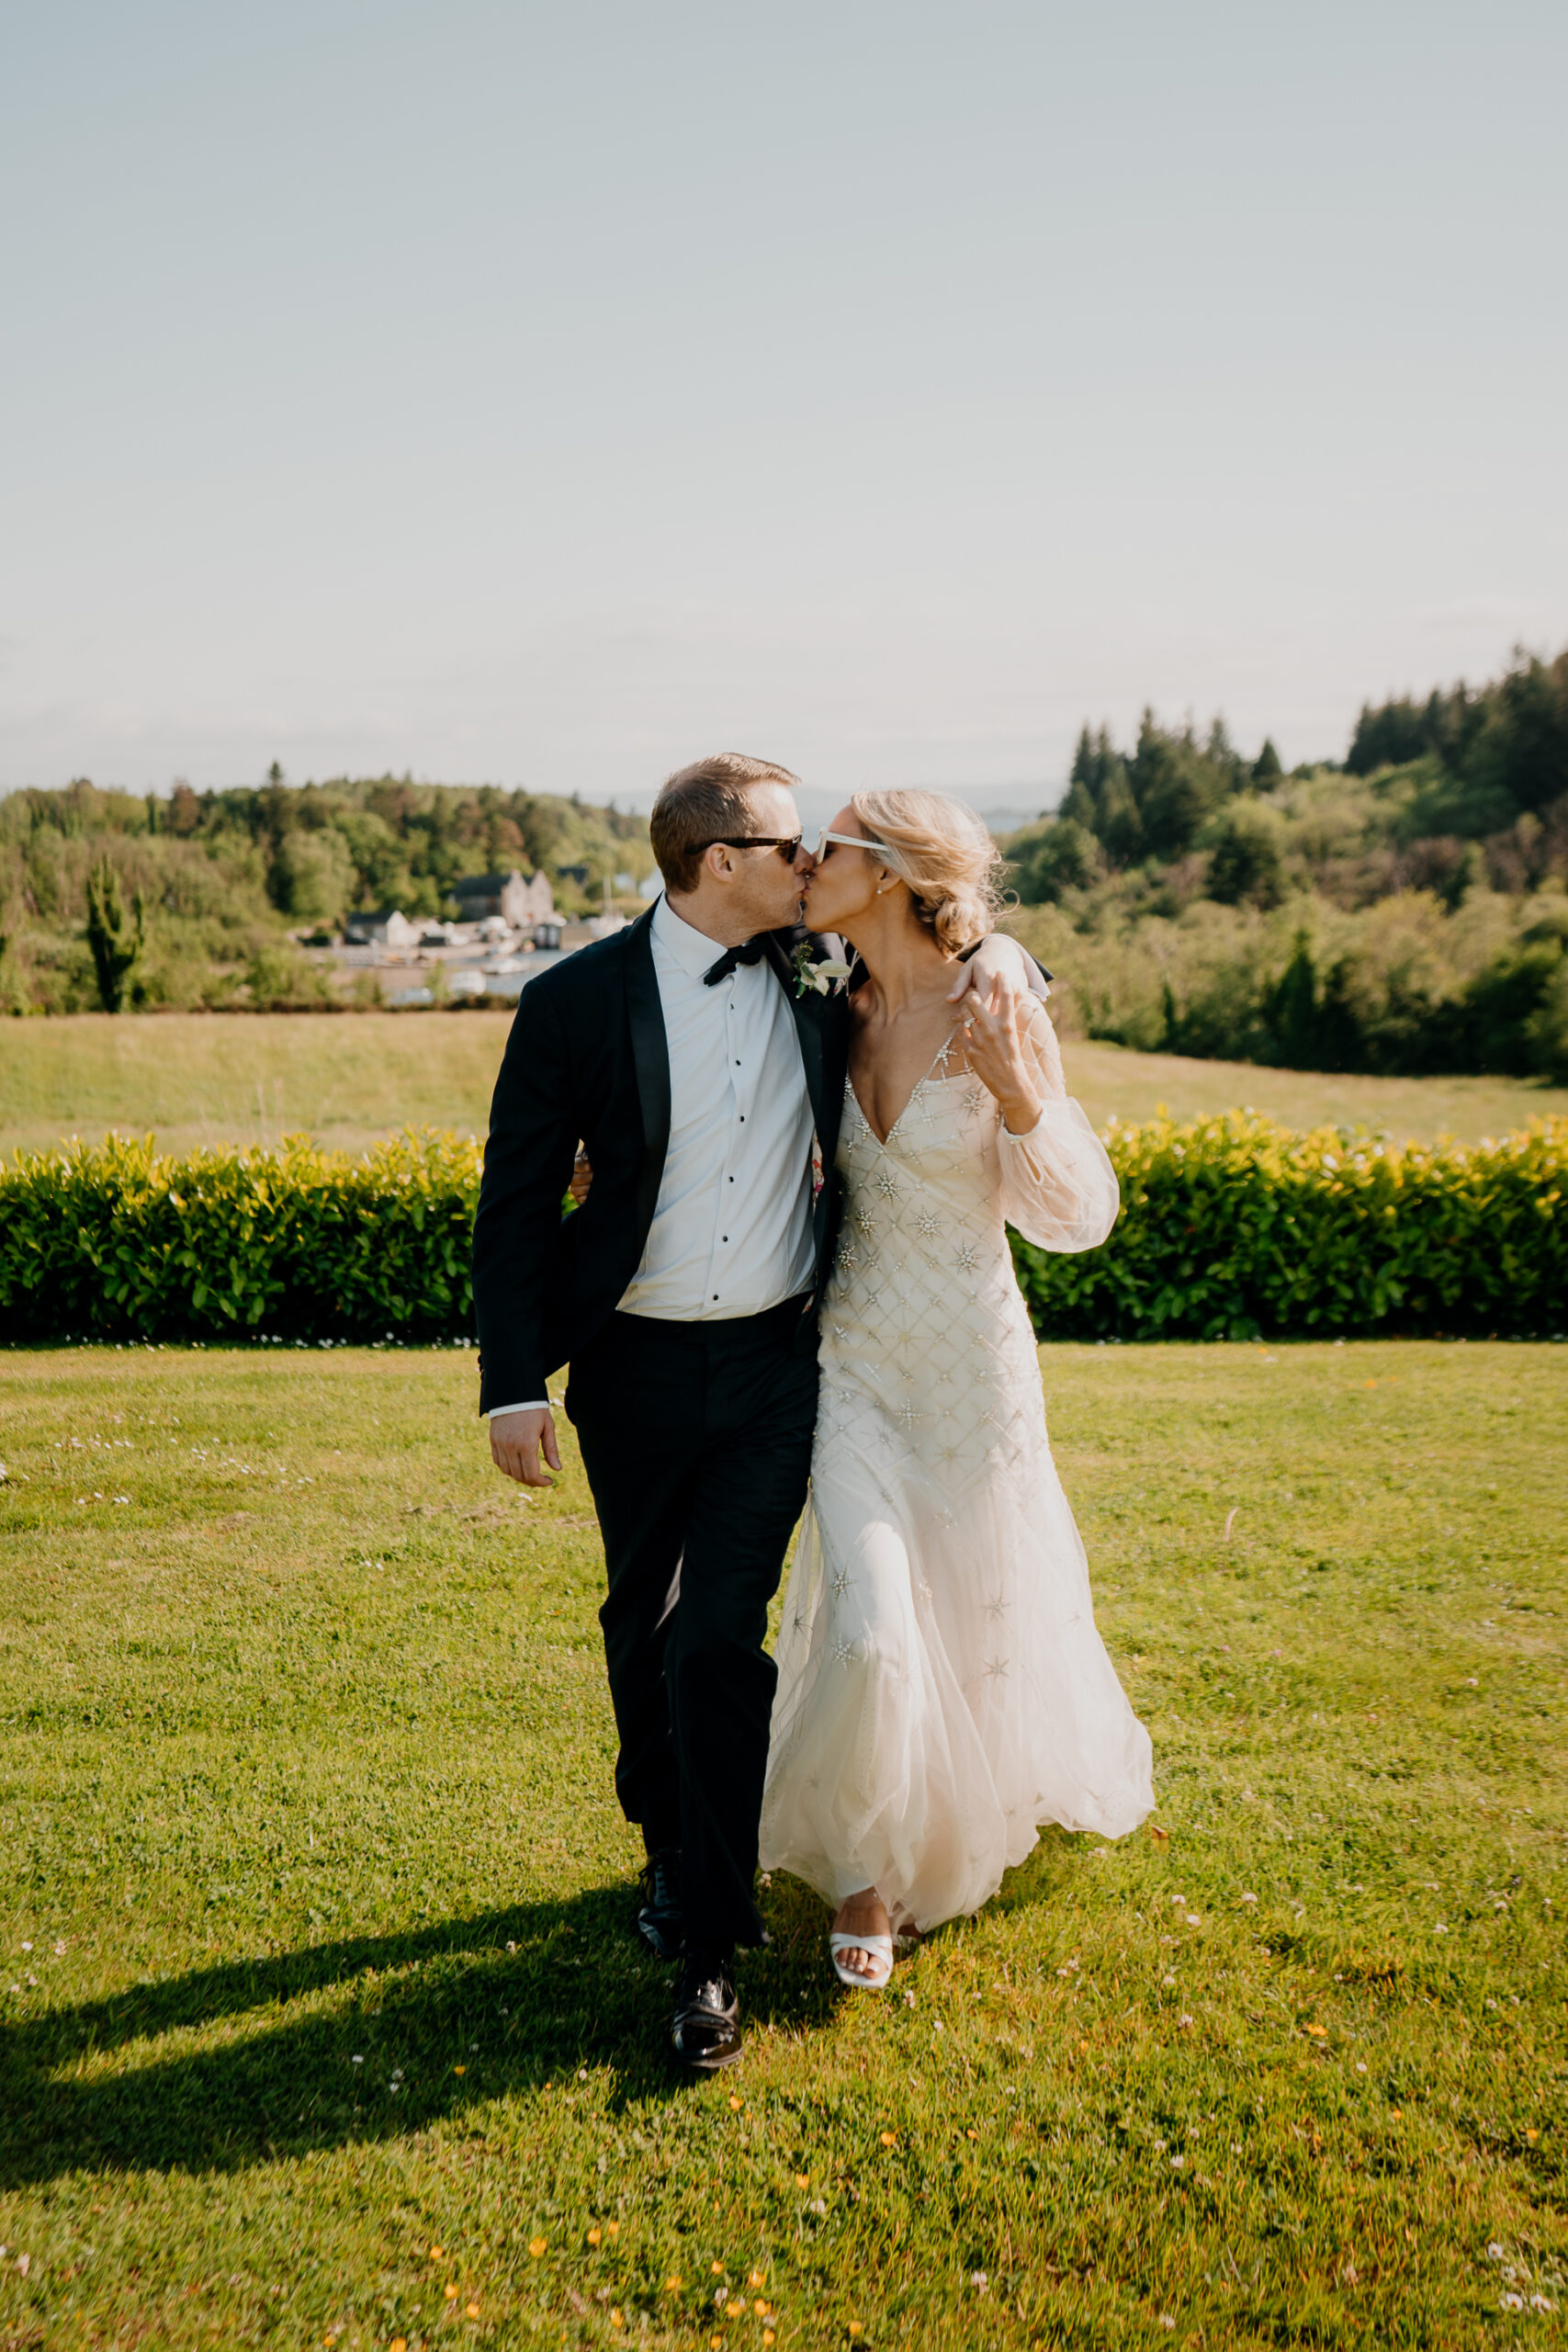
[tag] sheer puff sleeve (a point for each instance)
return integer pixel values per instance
(1058, 1187)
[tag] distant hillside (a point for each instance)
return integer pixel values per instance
(204, 883)
(1401, 910)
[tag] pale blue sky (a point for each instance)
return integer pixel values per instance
(547, 395)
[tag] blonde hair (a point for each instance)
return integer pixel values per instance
(942, 854)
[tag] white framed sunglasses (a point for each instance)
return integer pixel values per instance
(845, 840)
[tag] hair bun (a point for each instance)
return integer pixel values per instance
(944, 856)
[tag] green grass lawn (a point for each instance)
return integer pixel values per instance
(348, 1078)
(322, 2020)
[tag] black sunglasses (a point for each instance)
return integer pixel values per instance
(787, 844)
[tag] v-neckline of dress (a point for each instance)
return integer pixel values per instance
(882, 1142)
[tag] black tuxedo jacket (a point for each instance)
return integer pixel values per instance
(587, 1059)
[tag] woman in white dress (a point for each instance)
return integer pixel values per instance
(943, 1690)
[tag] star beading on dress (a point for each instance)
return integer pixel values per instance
(971, 1651)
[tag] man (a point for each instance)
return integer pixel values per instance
(694, 1058)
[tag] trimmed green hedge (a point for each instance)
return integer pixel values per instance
(1230, 1228)
(118, 1244)
(1234, 1228)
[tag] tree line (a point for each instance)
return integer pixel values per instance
(1402, 909)
(114, 898)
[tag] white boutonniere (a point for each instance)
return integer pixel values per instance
(823, 976)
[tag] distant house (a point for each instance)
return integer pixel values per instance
(519, 903)
(388, 927)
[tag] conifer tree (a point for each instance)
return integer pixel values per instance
(117, 939)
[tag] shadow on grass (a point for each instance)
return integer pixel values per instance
(517, 1999)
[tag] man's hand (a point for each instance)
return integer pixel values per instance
(1000, 973)
(517, 1442)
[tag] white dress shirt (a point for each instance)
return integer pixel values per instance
(731, 1231)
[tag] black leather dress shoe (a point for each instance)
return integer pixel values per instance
(659, 1919)
(707, 2033)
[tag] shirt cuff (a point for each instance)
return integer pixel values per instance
(536, 1404)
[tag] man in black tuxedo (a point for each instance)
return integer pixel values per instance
(702, 1068)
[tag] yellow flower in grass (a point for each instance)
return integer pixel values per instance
(451, 2290)
(593, 2237)
(537, 2247)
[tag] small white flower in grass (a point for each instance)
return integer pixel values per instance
(1184, 2020)
(1166, 2320)
(1193, 1921)
(1439, 1929)
(1178, 2164)
(25, 2263)
(1361, 2065)
(26, 1947)
(1495, 2252)
(1235, 2147)
(356, 2062)
(819, 2205)
(60, 1949)
(1168, 1980)
(1249, 1898)
(1512, 2302)
(1540, 2303)
(979, 2281)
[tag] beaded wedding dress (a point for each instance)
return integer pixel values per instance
(943, 1690)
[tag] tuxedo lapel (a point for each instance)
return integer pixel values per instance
(650, 1061)
(821, 1025)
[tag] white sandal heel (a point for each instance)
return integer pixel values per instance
(881, 1946)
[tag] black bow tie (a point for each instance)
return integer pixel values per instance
(733, 958)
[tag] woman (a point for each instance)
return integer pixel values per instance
(942, 1690)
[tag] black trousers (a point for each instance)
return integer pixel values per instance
(697, 1438)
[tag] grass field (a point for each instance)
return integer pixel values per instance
(322, 2023)
(219, 1077)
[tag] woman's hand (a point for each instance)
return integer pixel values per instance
(1003, 1056)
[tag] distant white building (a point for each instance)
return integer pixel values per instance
(519, 903)
(388, 927)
